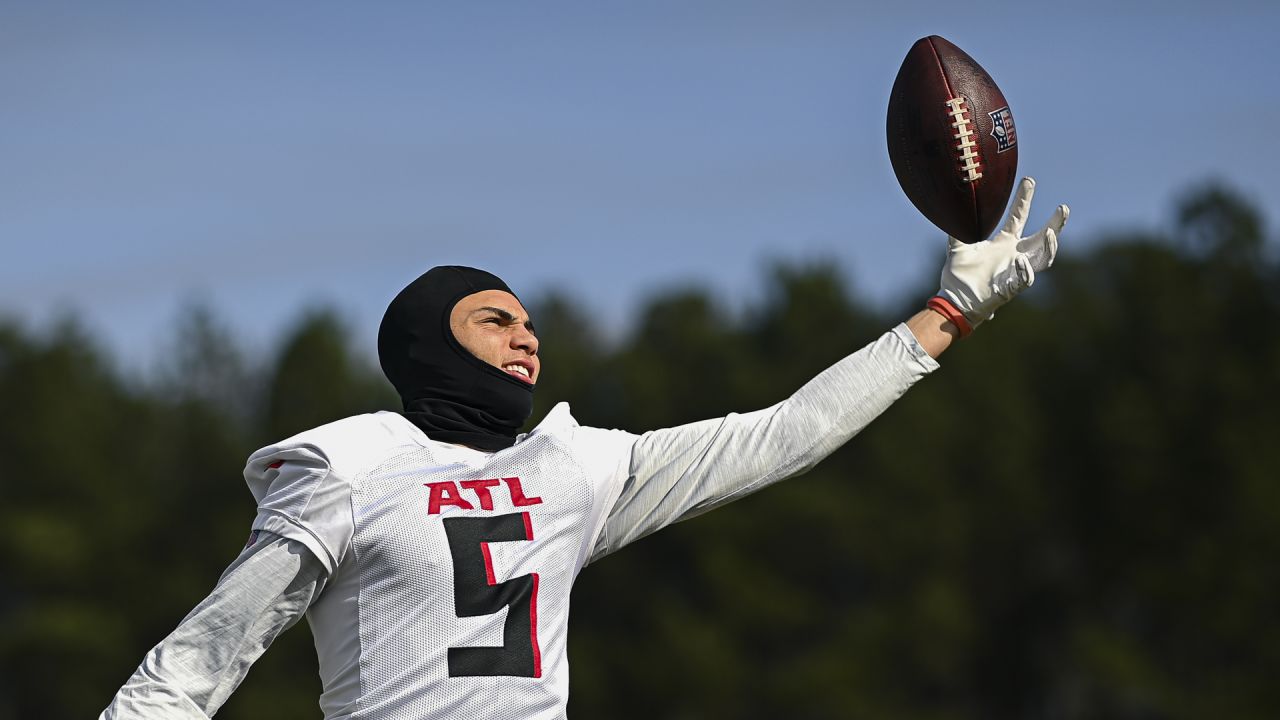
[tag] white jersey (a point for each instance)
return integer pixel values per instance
(443, 573)
(449, 568)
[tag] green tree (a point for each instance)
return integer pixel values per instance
(316, 379)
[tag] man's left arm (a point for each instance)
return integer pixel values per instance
(680, 472)
(677, 473)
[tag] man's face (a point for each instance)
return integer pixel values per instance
(494, 326)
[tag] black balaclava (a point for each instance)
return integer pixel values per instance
(452, 395)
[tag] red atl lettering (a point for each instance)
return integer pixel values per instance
(450, 493)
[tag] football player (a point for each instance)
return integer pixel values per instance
(433, 550)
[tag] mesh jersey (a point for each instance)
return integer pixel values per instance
(449, 568)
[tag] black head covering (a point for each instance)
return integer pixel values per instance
(452, 395)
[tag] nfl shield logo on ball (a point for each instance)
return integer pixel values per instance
(1002, 129)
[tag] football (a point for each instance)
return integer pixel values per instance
(951, 140)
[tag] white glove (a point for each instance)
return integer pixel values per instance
(980, 277)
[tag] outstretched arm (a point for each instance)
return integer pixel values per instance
(680, 472)
(193, 671)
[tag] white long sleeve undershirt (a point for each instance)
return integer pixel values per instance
(680, 472)
(192, 672)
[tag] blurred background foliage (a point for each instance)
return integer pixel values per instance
(1077, 517)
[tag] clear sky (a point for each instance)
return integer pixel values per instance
(263, 157)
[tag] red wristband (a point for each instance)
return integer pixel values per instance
(943, 307)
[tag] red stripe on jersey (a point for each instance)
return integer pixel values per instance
(533, 625)
(275, 465)
(533, 605)
(488, 564)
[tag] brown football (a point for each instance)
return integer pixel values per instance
(951, 140)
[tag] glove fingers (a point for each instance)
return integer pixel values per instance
(1043, 246)
(1020, 209)
(1040, 248)
(1059, 218)
(1015, 278)
(1026, 273)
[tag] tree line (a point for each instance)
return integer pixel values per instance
(1078, 516)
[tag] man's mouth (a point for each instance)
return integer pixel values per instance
(519, 370)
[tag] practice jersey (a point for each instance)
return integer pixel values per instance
(449, 568)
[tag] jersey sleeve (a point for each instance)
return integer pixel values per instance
(606, 456)
(302, 498)
(193, 671)
(679, 472)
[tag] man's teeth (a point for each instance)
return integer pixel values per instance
(518, 369)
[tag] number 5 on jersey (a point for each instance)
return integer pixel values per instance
(476, 592)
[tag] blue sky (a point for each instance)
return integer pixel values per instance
(265, 157)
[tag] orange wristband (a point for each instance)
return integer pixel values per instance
(943, 307)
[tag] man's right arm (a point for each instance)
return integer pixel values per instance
(193, 671)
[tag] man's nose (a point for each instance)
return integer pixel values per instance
(525, 340)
